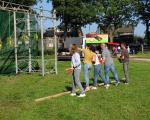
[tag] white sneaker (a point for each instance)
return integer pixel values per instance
(117, 83)
(107, 86)
(87, 88)
(94, 88)
(73, 94)
(82, 95)
(126, 83)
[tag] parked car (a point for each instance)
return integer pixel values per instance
(63, 54)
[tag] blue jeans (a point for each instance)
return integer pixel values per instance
(98, 71)
(107, 68)
(87, 69)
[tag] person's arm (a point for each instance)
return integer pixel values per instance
(94, 58)
(80, 49)
(122, 54)
(103, 55)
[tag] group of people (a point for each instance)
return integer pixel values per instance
(92, 58)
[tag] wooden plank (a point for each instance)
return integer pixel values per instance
(63, 93)
(52, 96)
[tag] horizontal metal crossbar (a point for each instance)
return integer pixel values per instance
(8, 6)
(13, 6)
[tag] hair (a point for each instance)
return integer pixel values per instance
(124, 44)
(92, 48)
(73, 48)
(103, 44)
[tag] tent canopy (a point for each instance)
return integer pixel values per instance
(113, 43)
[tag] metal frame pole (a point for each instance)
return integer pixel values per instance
(28, 31)
(55, 39)
(15, 42)
(42, 42)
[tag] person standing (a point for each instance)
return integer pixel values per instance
(88, 56)
(76, 66)
(108, 65)
(128, 49)
(97, 70)
(125, 61)
(119, 49)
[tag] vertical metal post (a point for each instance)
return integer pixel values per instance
(42, 42)
(55, 39)
(28, 31)
(15, 41)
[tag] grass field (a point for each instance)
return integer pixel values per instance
(125, 102)
(142, 55)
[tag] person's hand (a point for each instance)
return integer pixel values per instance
(101, 60)
(69, 70)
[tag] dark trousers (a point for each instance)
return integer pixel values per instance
(125, 69)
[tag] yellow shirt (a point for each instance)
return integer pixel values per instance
(88, 56)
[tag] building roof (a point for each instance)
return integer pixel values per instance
(125, 29)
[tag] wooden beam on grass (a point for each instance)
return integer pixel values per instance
(52, 96)
(64, 93)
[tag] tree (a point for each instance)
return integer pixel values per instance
(114, 14)
(143, 13)
(74, 13)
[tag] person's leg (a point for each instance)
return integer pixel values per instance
(114, 73)
(106, 68)
(77, 80)
(87, 69)
(96, 69)
(101, 73)
(125, 69)
(73, 83)
(86, 74)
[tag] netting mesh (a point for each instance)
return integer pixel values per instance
(26, 38)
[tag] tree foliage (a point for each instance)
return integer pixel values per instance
(74, 13)
(109, 14)
(143, 13)
(114, 14)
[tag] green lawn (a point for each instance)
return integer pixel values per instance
(125, 102)
(142, 55)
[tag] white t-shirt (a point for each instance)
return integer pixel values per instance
(96, 60)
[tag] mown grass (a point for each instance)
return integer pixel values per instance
(125, 102)
(142, 55)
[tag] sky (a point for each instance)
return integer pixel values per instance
(138, 31)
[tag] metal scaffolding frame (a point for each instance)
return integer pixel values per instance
(8, 6)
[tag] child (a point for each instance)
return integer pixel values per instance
(76, 66)
(125, 60)
(97, 70)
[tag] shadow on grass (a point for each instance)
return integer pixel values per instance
(68, 88)
(8, 74)
(122, 80)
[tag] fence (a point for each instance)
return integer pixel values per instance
(22, 44)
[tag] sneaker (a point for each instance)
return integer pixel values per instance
(87, 88)
(94, 88)
(126, 83)
(82, 95)
(106, 86)
(73, 94)
(117, 83)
